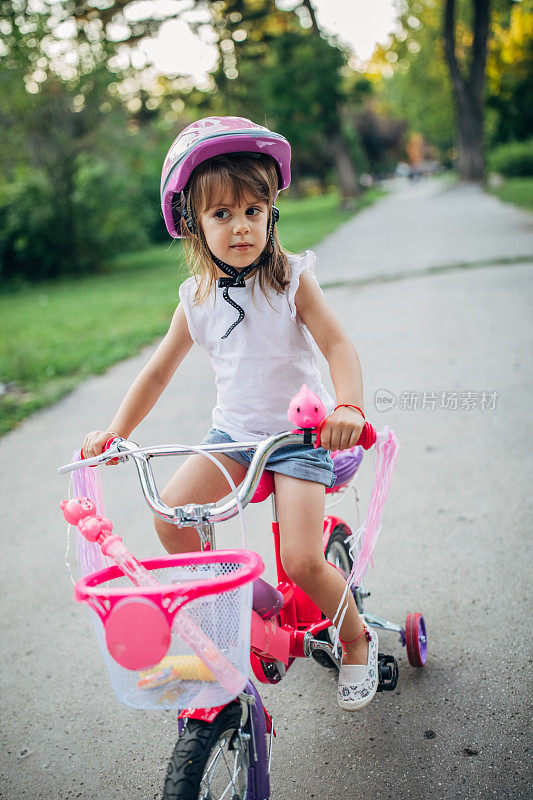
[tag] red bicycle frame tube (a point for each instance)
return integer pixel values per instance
(282, 638)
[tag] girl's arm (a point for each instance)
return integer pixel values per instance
(342, 428)
(147, 386)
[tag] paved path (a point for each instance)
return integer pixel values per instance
(430, 224)
(454, 545)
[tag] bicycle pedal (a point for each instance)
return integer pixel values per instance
(388, 673)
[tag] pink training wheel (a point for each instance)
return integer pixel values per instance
(416, 639)
(137, 634)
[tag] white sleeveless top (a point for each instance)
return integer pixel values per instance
(265, 359)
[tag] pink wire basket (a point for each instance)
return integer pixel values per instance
(150, 663)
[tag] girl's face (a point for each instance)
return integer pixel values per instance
(236, 232)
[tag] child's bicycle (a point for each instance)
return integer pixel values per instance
(181, 638)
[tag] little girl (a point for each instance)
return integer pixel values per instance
(260, 314)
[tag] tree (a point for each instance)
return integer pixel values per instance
(331, 102)
(279, 66)
(468, 88)
(413, 79)
(410, 75)
(66, 201)
(382, 138)
(250, 36)
(510, 74)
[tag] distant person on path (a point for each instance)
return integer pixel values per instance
(259, 313)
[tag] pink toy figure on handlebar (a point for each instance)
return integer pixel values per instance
(307, 411)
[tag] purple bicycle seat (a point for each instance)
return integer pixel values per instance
(345, 465)
(267, 600)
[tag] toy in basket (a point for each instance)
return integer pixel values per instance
(178, 638)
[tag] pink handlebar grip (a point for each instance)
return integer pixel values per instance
(106, 446)
(368, 436)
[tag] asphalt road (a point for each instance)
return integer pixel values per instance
(455, 542)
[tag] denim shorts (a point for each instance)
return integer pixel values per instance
(296, 460)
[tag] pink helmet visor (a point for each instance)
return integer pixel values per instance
(211, 137)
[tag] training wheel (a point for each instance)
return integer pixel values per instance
(416, 639)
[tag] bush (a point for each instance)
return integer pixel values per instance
(51, 228)
(78, 186)
(109, 211)
(29, 239)
(513, 160)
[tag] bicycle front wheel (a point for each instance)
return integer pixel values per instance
(210, 760)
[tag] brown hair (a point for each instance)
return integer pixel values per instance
(242, 175)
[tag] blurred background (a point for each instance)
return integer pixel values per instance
(92, 92)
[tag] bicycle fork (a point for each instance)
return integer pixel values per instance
(259, 769)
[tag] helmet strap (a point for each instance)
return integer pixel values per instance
(235, 278)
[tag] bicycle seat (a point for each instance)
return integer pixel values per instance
(345, 465)
(267, 600)
(265, 487)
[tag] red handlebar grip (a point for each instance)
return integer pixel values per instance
(108, 443)
(82, 454)
(368, 436)
(106, 446)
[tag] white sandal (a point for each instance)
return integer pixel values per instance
(358, 683)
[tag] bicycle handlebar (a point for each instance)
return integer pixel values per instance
(306, 411)
(194, 514)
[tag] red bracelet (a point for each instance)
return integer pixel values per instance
(349, 405)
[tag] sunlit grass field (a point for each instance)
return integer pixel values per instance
(53, 335)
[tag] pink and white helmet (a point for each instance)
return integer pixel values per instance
(214, 136)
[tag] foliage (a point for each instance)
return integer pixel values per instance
(302, 102)
(277, 69)
(514, 159)
(510, 74)
(412, 80)
(84, 123)
(381, 137)
(411, 76)
(73, 204)
(67, 200)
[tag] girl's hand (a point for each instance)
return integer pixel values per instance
(94, 442)
(342, 429)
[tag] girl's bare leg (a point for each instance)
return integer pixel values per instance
(198, 480)
(300, 506)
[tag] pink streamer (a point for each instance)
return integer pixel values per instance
(86, 482)
(387, 446)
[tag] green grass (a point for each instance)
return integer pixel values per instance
(516, 190)
(54, 335)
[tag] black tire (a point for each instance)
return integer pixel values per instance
(337, 550)
(195, 753)
(337, 553)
